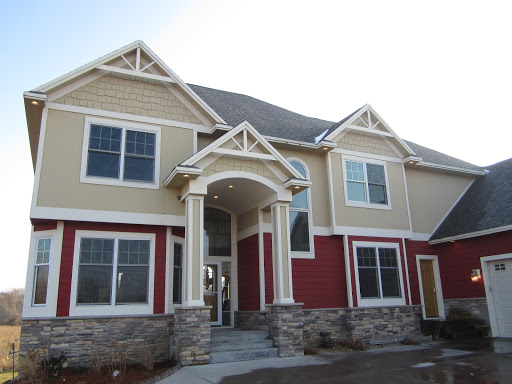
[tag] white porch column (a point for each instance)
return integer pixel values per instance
(194, 219)
(281, 257)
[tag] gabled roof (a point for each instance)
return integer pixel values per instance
(485, 208)
(268, 119)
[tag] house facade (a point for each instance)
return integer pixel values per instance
(162, 210)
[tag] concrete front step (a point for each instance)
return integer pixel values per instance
(252, 354)
(228, 345)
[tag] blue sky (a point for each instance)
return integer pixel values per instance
(438, 72)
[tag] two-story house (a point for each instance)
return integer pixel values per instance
(164, 210)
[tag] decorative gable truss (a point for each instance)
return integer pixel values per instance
(135, 61)
(250, 152)
(368, 127)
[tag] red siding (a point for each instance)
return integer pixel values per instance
(248, 274)
(269, 277)
(321, 282)
(416, 248)
(45, 226)
(351, 239)
(68, 245)
(178, 231)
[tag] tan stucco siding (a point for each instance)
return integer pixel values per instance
(142, 97)
(317, 167)
(229, 163)
(431, 196)
(60, 184)
(396, 218)
(247, 219)
(362, 142)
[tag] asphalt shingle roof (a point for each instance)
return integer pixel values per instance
(274, 121)
(486, 205)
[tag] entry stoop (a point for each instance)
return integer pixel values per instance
(227, 345)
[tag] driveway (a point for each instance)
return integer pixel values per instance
(481, 361)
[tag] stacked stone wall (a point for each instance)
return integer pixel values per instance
(286, 328)
(475, 307)
(251, 320)
(192, 332)
(372, 325)
(79, 338)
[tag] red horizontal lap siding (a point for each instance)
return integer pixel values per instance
(178, 231)
(458, 259)
(68, 245)
(269, 278)
(351, 239)
(321, 282)
(416, 248)
(248, 274)
(45, 225)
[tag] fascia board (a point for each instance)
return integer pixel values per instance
(472, 234)
(451, 169)
(340, 129)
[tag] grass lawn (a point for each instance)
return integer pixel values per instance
(4, 376)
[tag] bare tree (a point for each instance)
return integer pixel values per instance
(11, 304)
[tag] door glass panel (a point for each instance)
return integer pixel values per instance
(210, 287)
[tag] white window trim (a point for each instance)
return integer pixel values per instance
(311, 253)
(367, 204)
(50, 308)
(90, 120)
(170, 270)
(112, 308)
(382, 302)
(439, 288)
(40, 265)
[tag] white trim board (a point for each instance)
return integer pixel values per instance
(439, 287)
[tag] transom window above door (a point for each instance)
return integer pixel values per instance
(120, 154)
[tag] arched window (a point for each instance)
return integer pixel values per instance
(300, 216)
(217, 232)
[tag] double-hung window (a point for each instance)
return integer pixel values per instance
(113, 271)
(366, 184)
(300, 217)
(120, 154)
(42, 268)
(378, 273)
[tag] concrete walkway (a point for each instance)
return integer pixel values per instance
(484, 361)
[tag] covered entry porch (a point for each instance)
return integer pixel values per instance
(237, 184)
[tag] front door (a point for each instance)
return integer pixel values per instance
(212, 290)
(429, 288)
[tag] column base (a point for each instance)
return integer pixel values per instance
(192, 332)
(286, 327)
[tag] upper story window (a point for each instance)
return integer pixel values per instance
(217, 232)
(300, 217)
(120, 154)
(366, 184)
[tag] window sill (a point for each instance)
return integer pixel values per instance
(381, 302)
(302, 255)
(102, 309)
(385, 207)
(118, 183)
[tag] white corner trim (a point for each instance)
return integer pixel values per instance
(50, 308)
(261, 260)
(348, 272)
(52, 213)
(407, 272)
(331, 190)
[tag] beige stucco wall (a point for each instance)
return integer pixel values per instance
(432, 195)
(60, 171)
(396, 218)
(203, 141)
(366, 143)
(317, 166)
(142, 97)
(247, 219)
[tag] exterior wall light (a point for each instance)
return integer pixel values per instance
(186, 175)
(476, 276)
(35, 102)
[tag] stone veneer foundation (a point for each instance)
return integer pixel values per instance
(477, 307)
(372, 325)
(286, 328)
(192, 333)
(79, 338)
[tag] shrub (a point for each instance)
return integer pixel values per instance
(52, 366)
(96, 362)
(354, 345)
(146, 356)
(308, 350)
(409, 341)
(326, 341)
(116, 362)
(28, 367)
